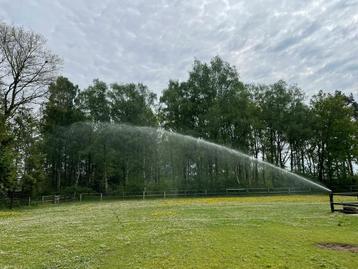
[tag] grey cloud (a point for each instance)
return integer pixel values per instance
(311, 43)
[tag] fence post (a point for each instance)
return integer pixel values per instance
(43, 199)
(164, 195)
(29, 200)
(101, 196)
(206, 192)
(80, 197)
(289, 190)
(143, 195)
(331, 201)
(123, 195)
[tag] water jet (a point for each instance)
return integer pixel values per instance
(155, 159)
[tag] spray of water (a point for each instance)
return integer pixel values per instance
(231, 151)
(175, 142)
(240, 154)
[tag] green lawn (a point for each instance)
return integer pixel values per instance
(251, 232)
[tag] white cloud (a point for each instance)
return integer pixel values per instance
(311, 43)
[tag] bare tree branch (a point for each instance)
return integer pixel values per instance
(26, 68)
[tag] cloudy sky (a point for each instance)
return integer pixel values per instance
(313, 44)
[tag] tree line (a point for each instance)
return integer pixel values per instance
(56, 137)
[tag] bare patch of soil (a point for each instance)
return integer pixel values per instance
(339, 247)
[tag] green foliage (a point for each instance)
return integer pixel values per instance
(7, 170)
(212, 104)
(62, 106)
(71, 190)
(94, 102)
(130, 103)
(8, 157)
(335, 137)
(59, 112)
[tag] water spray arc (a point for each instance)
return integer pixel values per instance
(243, 155)
(156, 159)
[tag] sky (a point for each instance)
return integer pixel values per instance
(313, 44)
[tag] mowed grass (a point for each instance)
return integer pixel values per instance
(240, 232)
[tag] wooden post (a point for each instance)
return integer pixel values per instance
(29, 200)
(206, 192)
(164, 195)
(331, 201)
(80, 197)
(123, 195)
(143, 195)
(289, 190)
(101, 196)
(43, 199)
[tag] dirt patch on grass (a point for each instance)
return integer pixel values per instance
(339, 247)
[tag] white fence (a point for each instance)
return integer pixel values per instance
(56, 199)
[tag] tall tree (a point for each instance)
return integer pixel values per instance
(132, 103)
(207, 104)
(212, 104)
(59, 113)
(27, 67)
(94, 102)
(279, 107)
(335, 135)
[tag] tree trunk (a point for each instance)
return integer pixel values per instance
(105, 168)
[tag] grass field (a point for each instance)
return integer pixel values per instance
(242, 232)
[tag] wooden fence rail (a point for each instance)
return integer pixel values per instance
(346, 207)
